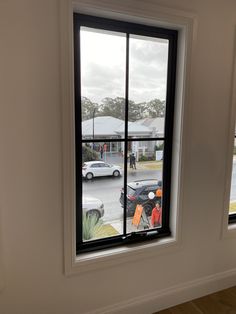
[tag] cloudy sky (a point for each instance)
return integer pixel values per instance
(103, 66)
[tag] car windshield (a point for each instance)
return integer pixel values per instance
(130, 191)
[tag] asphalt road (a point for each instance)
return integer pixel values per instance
(108, 190)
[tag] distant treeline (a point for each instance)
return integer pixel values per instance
(115, 107)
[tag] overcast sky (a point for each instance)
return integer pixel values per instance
(103, 66)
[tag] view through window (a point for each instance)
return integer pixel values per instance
(124, 104)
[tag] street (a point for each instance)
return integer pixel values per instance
(108, 190)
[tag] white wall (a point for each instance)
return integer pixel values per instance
(31, 163)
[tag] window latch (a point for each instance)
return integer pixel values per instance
(134, 236)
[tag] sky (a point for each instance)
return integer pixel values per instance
(103, 66)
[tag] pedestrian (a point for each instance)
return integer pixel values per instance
(133, 161)
(101, 151)
(156, 215)
(130, 161)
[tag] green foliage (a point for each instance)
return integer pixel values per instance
(143, 158)
(115, 107)
(90, 227)
(159, 147)
(88, 108)
(88, 154)
(146, 158)
(155, 108)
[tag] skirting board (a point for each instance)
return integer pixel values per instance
(158, 300)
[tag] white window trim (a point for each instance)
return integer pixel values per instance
(229, 230)
(185, 23)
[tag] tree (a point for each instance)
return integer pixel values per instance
(114, 107)
(155, 108)
(88, 108)
(88, 154)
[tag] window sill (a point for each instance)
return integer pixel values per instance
(119, 255)
(231, 229)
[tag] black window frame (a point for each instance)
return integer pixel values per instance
(134, 29)
(232, 217)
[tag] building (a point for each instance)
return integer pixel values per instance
(106, 126)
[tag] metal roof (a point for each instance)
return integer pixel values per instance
(109, 126)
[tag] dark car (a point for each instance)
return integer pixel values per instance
(137, 193)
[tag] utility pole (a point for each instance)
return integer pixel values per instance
(93, 124)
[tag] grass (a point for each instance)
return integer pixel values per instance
(106, 231)
(150, 165)
(232, 207)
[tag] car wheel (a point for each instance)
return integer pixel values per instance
(93, 213)
(148, 209)
(89, 176)
(116, 173)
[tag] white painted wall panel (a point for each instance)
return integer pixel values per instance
(31, 167)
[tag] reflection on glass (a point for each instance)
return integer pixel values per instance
(144, 185)
(103, 55)
(102, 171)
(232, 204)
(147, 85)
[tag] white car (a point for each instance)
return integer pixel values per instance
(92, 169)
(93, 206)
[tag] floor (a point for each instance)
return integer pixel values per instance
(217, 303)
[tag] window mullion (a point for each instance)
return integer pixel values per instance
(126, 133)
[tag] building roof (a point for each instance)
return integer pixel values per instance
(135, 129)
(103, 126)
(110, 126)
(156, 124)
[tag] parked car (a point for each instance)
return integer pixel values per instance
(137, 193)
(93, 206)
(91, 169)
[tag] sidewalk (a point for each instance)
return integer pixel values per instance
(118, 225)
(118, 160)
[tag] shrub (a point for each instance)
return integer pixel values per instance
(159, 147)
(143, 158)
(146, 158)
(91, 226)
(88, 154)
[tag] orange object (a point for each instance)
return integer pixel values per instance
(137, 215)
(159, 193)
(156, 217)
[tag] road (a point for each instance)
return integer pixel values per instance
(108, 190)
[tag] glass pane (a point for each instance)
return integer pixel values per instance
(147, 86)
(232, 205)
(144, 185)
(102, 172)
(103, 64)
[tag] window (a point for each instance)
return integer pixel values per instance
(232, 203)
(124, 110)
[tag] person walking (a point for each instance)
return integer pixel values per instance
(101, 151)
(156, 215)
(133, 161)
(130, 161)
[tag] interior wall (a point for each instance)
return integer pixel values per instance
(31, 166)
